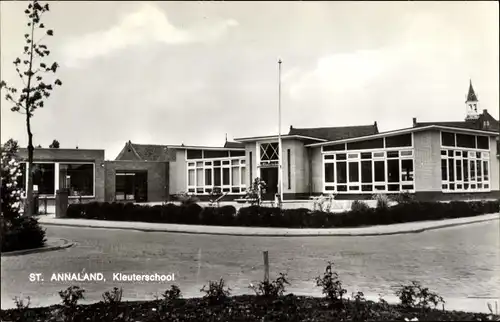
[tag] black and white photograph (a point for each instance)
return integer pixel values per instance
(250, 161)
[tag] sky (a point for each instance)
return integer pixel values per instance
(192, 72)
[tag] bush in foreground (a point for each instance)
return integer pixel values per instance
(17, 232)
(256, 216)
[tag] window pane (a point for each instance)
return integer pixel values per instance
(472, 170)
(393, 187)
(190, 177)
(199, 177)
(392, 154)
(341, 187)
(451, 170)
(210, 154)
(353, 171)
(337, 147)
(44, 178)
(466, 141)
(485, 170)
(341, 172)
(366, 155)
(368, 144)
(466, 170)
(225, 176)
(194, 154)
(269, 151)
(237, 153)
(243, 176)
(367, 187)
(217, 177)
(444, 170)
(329, 157)
(479, 172)
(329, 172)
(379, 171)
(483, 142)
(235, 176)
(407, 170)
(447, 139)
(341, 156)
(393, 170)
(398, 141)
(366, 171)
(79, 179)
(208, 177)
(459, 169)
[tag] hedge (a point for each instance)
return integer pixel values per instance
(256, 216)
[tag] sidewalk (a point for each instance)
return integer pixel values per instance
(412, 227)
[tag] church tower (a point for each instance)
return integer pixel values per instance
(472, 104)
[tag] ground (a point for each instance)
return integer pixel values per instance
(458, 263)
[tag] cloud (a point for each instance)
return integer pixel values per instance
(146, 25)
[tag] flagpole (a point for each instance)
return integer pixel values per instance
(280, 159)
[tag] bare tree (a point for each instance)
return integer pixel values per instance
(31, 69)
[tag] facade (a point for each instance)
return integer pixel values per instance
(432, 160)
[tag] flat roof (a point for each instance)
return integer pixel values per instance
(404, 131)
(284, 136)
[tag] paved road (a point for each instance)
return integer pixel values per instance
(457, 262)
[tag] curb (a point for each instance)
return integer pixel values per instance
(66, 244)
(264, 234)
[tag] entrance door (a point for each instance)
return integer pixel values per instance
(270, 177)
(131, 186)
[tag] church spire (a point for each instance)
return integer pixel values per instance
(471, 97)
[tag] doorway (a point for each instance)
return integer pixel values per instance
(270, 177)
(131, 186)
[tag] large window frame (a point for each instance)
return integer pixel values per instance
(203, 175)
(57, 177)
(465, 169)
(358, 161)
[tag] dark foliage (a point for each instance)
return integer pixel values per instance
(255, 216)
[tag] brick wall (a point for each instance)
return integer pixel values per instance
(427, 161)
(158, 177)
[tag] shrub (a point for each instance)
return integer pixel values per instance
(217, 292)
(114, 296)
(187, 199)
(70, 298)
(22, 233)
(254, 191)
(174, 293)
(415, 295)
(324, 203)
(360, 311)
(382, 201)
(214, 195)
(272, 289)
(359, 206)
(403, 197)
(331, 284)
(20, 304)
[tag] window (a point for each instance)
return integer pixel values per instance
(269, 151)
(407, 170)
(208, 177)
(212, 154)
(368, 144)
(366, 172)
(79, 178)
(353, 171)
(44, 178)
(447, 139)
(329, 172)
(237, 153)
(235, 176)
(191, 177)
(336, 147)
(289, 169)
(194, 154)
(466, 141)
(465, 171)
(393, 170)
(398, 141)
(341, 172)
(379, 171)
(250, 166)
(217, 181)
(483, 142)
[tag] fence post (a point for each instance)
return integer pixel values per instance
(266, 266)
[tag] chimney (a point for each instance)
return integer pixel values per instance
(375, 124)
(414, 121)
(291, 127)
(485, 112)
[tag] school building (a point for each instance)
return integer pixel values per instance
(433, 160)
